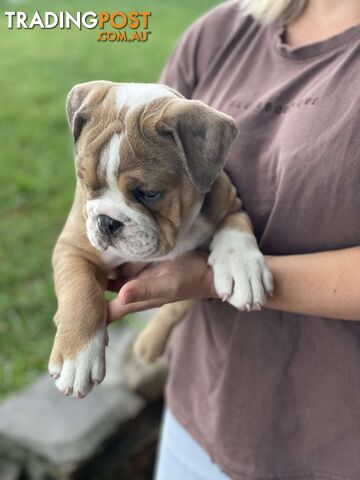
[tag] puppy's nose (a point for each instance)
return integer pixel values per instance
(108, 225)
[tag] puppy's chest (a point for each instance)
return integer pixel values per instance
(198, 236)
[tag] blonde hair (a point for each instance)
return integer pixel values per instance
(268, 11)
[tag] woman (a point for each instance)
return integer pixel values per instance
(272, 394)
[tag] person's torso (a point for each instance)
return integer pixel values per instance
(270, 394)
(296, 161)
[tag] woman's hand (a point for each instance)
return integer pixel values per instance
(183, 278)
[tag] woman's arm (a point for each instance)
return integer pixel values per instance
(325, 284)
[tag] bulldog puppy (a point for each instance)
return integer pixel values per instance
(150, 186)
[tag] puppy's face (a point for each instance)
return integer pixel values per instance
(140, 200)
(145, 158)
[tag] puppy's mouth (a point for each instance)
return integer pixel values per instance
(130, 240)
(138, 243)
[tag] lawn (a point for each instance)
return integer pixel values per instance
(38, 67)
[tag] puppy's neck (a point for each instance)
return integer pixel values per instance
(195, 232)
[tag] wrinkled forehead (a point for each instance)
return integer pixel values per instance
(120, 137)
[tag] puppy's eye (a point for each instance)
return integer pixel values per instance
(146, 197)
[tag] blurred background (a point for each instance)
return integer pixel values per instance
(37, 69)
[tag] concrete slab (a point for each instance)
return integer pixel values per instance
(66, 430)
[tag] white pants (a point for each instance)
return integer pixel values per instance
(180, 457)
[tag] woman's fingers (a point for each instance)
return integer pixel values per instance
(152, 288)
(145, 289)
(166, 282)
(116, 309)
(123, 273)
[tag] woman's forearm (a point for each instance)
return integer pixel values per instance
(325, 284)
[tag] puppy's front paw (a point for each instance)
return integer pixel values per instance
(76, 370)
(241, 276)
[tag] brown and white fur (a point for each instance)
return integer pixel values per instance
(131, 138)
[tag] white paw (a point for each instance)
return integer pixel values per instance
(76, 376)
(241, 276)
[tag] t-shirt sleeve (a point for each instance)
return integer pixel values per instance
(180, 72)
(196, 48)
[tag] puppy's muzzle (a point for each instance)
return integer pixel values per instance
(108, 226)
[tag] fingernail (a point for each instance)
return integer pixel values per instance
(128, 298)
(136, 295)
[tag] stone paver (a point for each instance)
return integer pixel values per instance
(64, 429)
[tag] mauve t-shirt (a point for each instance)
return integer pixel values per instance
(270, 394)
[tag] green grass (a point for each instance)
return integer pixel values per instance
(38, 67)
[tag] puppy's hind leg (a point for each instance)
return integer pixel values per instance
(151, 342)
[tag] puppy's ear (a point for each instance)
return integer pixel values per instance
(202, 136)
(80, 102)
